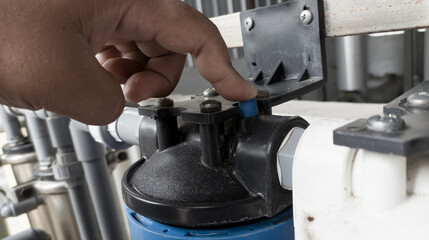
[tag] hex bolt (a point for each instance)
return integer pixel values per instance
(210, 92)
(164, 102)
(210, 106)
(248, 23)
(262, 94)
(418, 100)
(385, 123)
(306, 17)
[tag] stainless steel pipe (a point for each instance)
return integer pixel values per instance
(351, 63)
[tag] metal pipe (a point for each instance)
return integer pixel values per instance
(66, 159)
(11, 126)
(409, 59)
(23, 160)
(230, 9)
(215, 8)
(92, 156)
(60, 210)
(426, 56)
(243, 5)
(351, 63)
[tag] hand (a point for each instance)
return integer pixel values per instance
(48, 46)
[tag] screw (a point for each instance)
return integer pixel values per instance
(210, 92)
(164, 103)
(248, 23)
(385, 123)
(306, 17)
(418, 100)
(262, 94)
(210, 106)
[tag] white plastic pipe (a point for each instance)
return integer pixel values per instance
(384, 181)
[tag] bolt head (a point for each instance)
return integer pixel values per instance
(164, 103)
(306, 17)
(210, 106)
(385, 123)
(210, 92)
(248, 23)
(418, 100)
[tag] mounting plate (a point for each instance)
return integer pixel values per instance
(413, 139)
(284, 55)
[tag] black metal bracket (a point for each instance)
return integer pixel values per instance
(409, 112)
(284, 49)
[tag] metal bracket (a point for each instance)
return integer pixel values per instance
(402, 130)
(284, 50)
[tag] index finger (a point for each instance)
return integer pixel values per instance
(179, 28)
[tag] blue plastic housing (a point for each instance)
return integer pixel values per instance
(279, 227)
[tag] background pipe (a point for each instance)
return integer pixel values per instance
(67, 163)
(39, 135)
(11, 209)
(351, 66)
(56, 195)
(11, 126)
(426, 56)
(19, 153)
(92, 156)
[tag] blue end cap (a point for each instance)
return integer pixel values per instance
(248, 108)
(277, 227)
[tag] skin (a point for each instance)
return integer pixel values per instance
(48, 46)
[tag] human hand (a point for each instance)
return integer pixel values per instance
(47, 54)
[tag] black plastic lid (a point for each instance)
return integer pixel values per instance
(174, 188)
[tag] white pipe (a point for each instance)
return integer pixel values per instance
(384, 180)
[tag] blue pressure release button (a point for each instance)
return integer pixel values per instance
(248, 108)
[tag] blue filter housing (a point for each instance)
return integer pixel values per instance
(279, 227)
